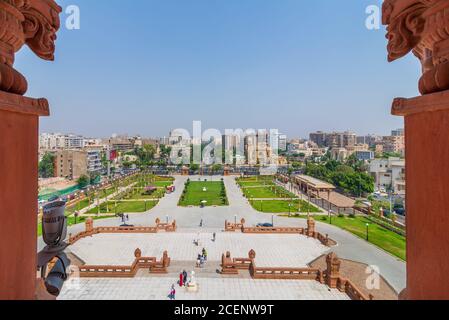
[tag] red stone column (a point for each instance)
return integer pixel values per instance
(34, 23)
(420, 26)
(19, 121)
(427, 174)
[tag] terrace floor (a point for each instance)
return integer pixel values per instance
(157, 288)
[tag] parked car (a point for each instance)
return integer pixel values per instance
(265, 225)
(54, 198)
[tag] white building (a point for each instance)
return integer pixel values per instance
(72, 141)
(389, 174)
(51, 141)
(94, 164)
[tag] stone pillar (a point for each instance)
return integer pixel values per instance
(34, 23)
(89, 224)
(310, 227)
(421, 27)
(333, 270)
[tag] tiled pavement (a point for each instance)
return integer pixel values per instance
(272, 250)
(157, 288)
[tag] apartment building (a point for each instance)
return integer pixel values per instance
(71, 164)
(389, 174)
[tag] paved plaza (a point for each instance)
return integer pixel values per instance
(272, 250)
(157, 288)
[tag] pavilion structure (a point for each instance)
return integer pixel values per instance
(323, 194)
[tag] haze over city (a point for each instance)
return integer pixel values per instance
(146, 67)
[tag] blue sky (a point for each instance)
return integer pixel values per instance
(147, 66)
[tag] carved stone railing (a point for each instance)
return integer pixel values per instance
(330, 277)
(308, 232)
(232, 266)
(140, 262)
(167, 227)
(91, 231)
(285, 273)
(233, 227)
(279, 230)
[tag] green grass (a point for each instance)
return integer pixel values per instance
(267, 193)
(256, 179)
(379, 236)
(282, 206)
(124, 207)
(256, 183)
(194, 194)
(138, 194)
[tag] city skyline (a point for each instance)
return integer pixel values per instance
(256, 64)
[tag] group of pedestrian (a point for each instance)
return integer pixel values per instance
(202, 259)
(183, 279)
(124, 217)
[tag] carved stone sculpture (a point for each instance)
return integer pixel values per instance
(30, 22)
(420, 26)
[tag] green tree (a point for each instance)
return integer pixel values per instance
(46, 166)
(83, 181)
(194, 167)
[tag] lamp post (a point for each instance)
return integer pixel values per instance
(367, 232)
(166, 217)
(272, 220)
(235, 219)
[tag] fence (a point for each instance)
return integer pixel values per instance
(90, 230)
(140, 262)
(330, 276)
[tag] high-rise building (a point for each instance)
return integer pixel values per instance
(319, 138)
(398, 132)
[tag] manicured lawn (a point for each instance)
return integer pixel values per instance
(379, 236)
(194, 194)
(280, 206)
(256, 183)
(267, 193)
(138, 194)
(124, 207)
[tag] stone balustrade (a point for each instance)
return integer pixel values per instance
(309, 231)
(233, 227)
(284, 230)
(330, 277)
(150, 263)
(90, 230)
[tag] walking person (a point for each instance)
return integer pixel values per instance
(205, 254)
(181, 279)
(184, 275)
(214, 237)
(198, 261)
(172, 294)
(201, 223)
